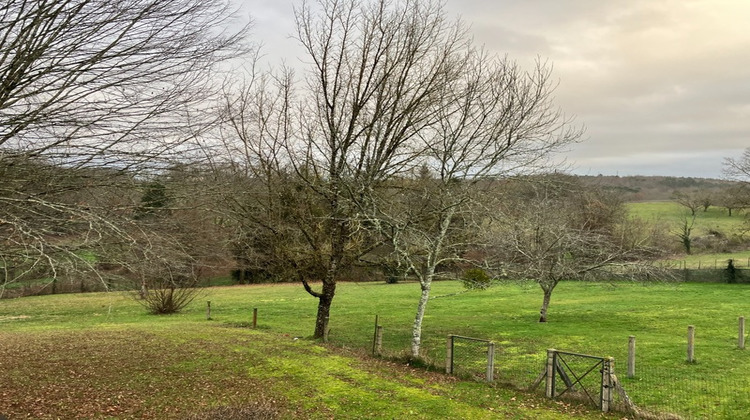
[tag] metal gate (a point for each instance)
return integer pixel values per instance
(580, 377)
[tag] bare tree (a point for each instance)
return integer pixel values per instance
(494, 120)
(377, 72)
(552, 229)
(706, 199)
(393, 87)
(97, 84)
(684, 231)
(82, 79)
(734, 197)
(275, 215)
(738, 169)
(692, 200)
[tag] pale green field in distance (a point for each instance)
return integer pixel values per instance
(672, 213)
(671, 216)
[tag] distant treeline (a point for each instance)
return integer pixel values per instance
(646, 188)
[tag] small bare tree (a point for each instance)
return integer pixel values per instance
(552, 229)
(691, 200)
(684, 232)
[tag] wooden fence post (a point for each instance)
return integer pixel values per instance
(741, 333)
(691, 344)
(631, 356)
(375, 336)
(490, 361)
(550, 382)
(449, 355)
(208, 309)
(255, 317)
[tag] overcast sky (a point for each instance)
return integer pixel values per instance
(662, 86)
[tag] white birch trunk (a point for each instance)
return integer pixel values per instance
(416, 332)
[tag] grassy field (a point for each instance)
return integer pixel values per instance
(670, 215)
(77, 355)
(100, 355)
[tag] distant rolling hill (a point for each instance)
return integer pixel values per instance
(653, 188)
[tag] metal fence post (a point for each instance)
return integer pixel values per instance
(550, 382)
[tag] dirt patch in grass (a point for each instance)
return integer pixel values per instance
(13, 318)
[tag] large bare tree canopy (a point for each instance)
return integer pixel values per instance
(90, 90)
(86, 79)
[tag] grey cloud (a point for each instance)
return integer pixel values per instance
(661, 85)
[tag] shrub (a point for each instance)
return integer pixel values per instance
(476, 278)
(730, 273)
(168, 300)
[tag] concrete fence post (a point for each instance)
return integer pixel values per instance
(741, 333)
(449, 355)
(691, 344)
(379, 340)
(608, 366)
(490, 361)
(631, 356)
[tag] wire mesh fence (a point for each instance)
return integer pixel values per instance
(664, 384)
(471, 358)
(678, 390)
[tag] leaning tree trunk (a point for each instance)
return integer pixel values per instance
(324, 308)
(545, 302)
(416, 332)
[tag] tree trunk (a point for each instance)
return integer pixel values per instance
(545, 304)
(416, 332)
(324, 308)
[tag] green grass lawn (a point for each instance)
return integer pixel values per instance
(47, 341)
(100, 355)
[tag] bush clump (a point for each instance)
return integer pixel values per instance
(476, 278)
